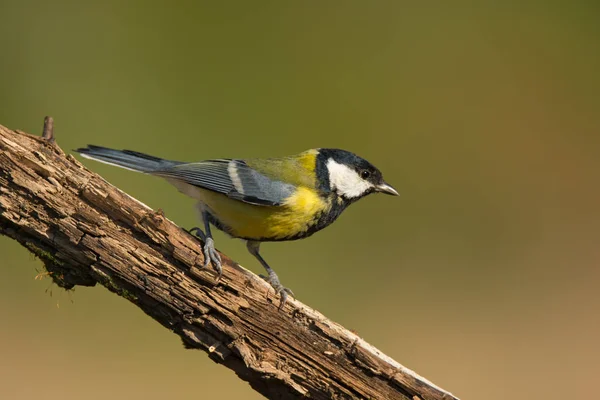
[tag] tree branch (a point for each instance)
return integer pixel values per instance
(87, 231)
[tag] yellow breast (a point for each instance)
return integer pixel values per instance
(298, 213)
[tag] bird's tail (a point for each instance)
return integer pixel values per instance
(127, 159)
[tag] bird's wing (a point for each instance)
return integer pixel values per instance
(233, 178)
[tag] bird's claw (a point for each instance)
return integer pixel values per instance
(281, 290)
(212, 256)
(210, 253)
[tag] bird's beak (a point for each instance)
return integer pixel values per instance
(387, 189)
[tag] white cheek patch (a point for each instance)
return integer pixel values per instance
(345, 180)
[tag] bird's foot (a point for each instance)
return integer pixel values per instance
(211, 256)
(281, 290)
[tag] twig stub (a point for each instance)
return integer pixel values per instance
(48, 132)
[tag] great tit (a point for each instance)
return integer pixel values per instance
(261, 200)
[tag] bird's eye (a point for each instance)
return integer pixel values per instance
(365, 174)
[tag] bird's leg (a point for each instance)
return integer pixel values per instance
(210, 253)
(273, 279)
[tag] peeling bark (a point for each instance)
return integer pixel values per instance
(87, 232)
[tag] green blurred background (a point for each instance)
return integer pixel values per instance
(483, 276)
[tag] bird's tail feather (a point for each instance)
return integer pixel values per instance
(127, 159)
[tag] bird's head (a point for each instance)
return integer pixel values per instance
(349, 176)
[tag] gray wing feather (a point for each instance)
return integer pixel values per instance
(233, 178)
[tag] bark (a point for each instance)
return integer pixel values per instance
(87, 231)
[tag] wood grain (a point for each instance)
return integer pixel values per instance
(87, 232)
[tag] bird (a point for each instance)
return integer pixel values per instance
(262, 199)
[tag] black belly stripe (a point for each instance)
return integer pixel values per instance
(322, 220)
